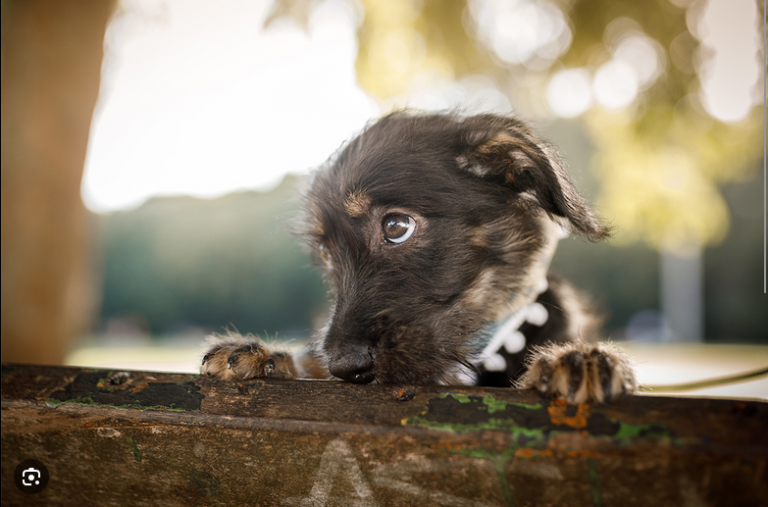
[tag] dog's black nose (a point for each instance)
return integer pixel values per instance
(353, 367)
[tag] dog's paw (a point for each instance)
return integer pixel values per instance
(236, 357)
(581, 372)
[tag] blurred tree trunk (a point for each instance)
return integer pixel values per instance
(682, 293)
(51, 68)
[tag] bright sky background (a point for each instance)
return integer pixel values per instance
(198, 99)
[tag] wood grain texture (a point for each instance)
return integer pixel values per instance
(143, 438)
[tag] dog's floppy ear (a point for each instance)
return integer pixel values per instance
(506, 152)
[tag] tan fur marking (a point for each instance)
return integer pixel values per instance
(317, 231)
(479, 238)
(493, 143)
(313, 367)
(481, 290)
(357, 204)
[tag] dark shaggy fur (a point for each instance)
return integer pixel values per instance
(430, 228)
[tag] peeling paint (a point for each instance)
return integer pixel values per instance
(495, 405)
(557, 414)
(337, 459)
(531, 428)
(134, 449)
(108, 432)
(86, 400)
(90, 389)
(477, 420)
(528, 452)
(627, 432)
(405, 394)
(138, 387)
(499, 460)
(596, 488)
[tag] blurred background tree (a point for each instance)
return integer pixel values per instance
(179, 263)
(51, 61)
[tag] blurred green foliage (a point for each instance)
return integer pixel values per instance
(179, 262)
(623, 279)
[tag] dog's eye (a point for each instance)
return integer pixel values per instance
(398, 228)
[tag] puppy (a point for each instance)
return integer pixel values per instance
(435, 233)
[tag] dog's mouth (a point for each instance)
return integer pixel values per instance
(434, 376)
(362, 376)
(372, 377)
(383, 368)
(353, 364)
(398, 351)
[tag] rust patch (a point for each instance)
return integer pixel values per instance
(529, 452)
(405, 394)
(139, 387)
(445, 446)
(558, 414)
(357, 203)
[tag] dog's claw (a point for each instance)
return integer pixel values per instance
(604, 374)
(269, 367)
(237, 357)
(580, 372)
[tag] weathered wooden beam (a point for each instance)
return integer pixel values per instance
(139, 438)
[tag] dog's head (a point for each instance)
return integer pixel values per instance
(429, 227)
